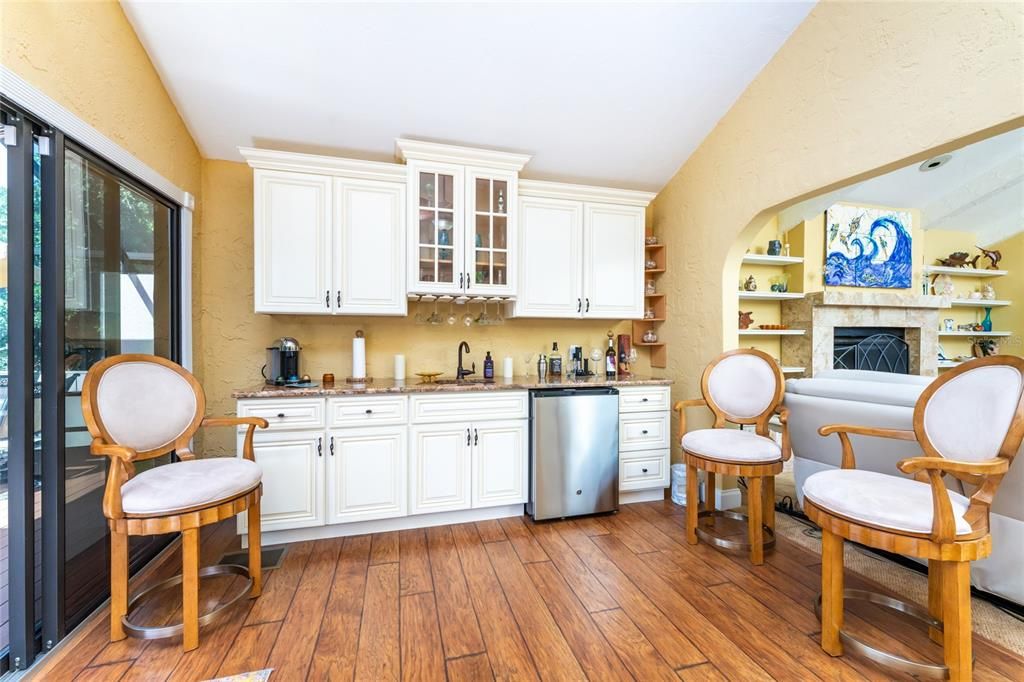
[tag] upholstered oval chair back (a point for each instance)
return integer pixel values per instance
(144, 402)
(975, 411)
(743, 386)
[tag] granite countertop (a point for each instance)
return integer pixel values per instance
(519, 383)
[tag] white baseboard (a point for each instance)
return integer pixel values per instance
(338, 530)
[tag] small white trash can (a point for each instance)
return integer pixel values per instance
(679, 484)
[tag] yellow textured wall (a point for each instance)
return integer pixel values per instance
(1010, 287)
(858, 89)
(234, 337)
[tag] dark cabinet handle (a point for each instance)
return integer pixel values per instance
(588, 306)
(369, 412)
(327, 298)
(644, 470)
(579, 305)
(319, 447)
(332, 446)
(468, 439)
(280, 415)
(460, 280)
(644, 400)
(339, 298)
(476, 436)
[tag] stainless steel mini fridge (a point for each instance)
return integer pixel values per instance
(574, 452)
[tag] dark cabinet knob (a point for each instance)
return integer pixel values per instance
(644, 470)
(369, 412)
(644, 432)
(643, 400)
(280, 415)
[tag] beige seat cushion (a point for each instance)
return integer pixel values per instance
(195, 483)
(881, 500)
(732, 445)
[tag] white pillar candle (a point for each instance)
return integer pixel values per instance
(507, 367)
(359, 358)
(399, 366)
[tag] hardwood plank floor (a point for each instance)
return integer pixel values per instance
(604, 598)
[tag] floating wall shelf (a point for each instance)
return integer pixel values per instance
(772, 332)
(764, 259)
(770, 295)
(977, 303)
(962, 272)
(978, 334)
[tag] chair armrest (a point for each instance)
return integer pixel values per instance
(787, 447)
(986, 467)
(121, 469)
(844, 431)
(121, 452)
(252, 422)
(681, 406)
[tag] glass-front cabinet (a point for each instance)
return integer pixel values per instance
(490, 213)
(462, 223)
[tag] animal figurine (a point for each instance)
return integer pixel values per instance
(959, 259)
(984, 348)
(993, 256)
(746, 319)
(750, 284)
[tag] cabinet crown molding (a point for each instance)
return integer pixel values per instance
(562, 190)
(271, 159)
(418, 150)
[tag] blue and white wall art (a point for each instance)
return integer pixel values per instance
(867, 247)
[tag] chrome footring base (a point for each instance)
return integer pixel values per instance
(155, 632)
(713, 538)
(884, 658)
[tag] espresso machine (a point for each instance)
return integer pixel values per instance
(282, 366)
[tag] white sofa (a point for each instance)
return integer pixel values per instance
(887, 400)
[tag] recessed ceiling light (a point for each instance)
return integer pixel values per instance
(935, 162)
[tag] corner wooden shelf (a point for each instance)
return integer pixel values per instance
(962, 272)
(656, 302)
(765, 259)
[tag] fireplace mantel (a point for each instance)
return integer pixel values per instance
(875, 299)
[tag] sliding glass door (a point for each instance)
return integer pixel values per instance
(118, 298)
(89, 261)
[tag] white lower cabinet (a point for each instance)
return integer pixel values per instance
(293, 474)
(644, 437)
(366, 473)
(439, 468)
(499, 459)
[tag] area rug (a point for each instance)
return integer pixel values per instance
(989, 621)
(254, 676)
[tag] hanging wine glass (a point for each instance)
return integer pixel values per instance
(451, 313)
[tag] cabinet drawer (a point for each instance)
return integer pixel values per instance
(643, 431)
(285, 413)
(469, 406)
(644, 398)
(387, 410)
(644, 472)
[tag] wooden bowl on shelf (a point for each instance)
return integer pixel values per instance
(428, 377)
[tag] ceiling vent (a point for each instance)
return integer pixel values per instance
(934, 162)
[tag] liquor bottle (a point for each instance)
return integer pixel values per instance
(609, 359)
(488, 366)
(555, 361)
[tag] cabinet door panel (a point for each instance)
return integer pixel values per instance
(292, 247)
(435, 228)
(293, 479)
(490, 232)
(613, 261)
(439, 468)
(366, 474)
(369, 238)
(499, 463)
(550, 258)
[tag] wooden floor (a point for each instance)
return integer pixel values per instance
(609, 598)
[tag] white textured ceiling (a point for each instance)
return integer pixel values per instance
(616, 93)
(980, 190)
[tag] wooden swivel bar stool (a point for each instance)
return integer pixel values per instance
(138, 407)
(742, 386)
(970, 423)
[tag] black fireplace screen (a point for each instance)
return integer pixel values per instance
(875, 350)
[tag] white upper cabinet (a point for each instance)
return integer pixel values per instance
(613, 261)
(369, 277)
(551, 249)
(462, 219)
(292, 215)
(329, 235)
(580, 257)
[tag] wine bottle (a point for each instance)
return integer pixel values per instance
(609, 359)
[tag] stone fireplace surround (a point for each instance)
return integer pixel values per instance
(819, 313)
